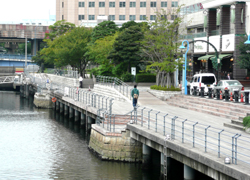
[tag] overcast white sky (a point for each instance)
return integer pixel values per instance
(17, 10)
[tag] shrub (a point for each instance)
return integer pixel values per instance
(172, 88)
(246, 122)
(145, 78)
(127, 77)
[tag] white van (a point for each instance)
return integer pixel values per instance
(203, 80)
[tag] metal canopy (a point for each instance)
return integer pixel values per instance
(205, 57)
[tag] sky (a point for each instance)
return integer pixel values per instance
(18, 10)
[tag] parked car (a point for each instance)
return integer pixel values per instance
(202, 80)
(231, 85)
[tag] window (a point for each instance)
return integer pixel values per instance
(80, 17)
(142, 4)
(111, 4)
(91, 17)
(200, 30)
(91, 4)
(152, 4)
(122, 17)
(62, 4)
(164, 4)
(101, 4)
(122, 4)
(174, 4)
(131, 17)
(62, 17)
(132, 4)
(111, 17)
(173, 17)
(142, 17)
(152, 17)
(163, 16)
(81, 4)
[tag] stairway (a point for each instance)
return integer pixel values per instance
(230, 110)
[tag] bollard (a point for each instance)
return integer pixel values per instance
(188, 89)
(241, 98)
(221, 95)
(202, 91)
(246, 97)
(226, 95)
(236, 96)
(195, 90)
(209, 93)
(217, 94)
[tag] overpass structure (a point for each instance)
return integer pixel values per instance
(12, 34)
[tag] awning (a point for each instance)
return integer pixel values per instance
(205, 57)
(221, 56)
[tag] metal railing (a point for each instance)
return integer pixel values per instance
(6, 79)
(65, 73)
(14, 56)
(116, 83)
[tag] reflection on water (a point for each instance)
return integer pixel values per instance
(41, 144)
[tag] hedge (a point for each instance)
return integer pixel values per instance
(145, 78)
(172, 88)
(246, 121)
(127, 77)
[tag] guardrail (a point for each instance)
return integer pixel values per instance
(6, 79)
(116, 83)
(65, 73)
(13, 56)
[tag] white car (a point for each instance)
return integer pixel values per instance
(202, 80)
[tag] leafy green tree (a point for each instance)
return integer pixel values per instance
(126, 47)
(244, 58)
(133, 23)
(69, 49)
(160, 47)
(21, 48)
(105, 28)
(39, 59)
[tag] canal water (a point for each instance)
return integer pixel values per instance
(41, 144)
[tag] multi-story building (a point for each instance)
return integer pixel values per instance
(221, 23)
(86, 11)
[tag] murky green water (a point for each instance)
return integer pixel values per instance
(39, 144)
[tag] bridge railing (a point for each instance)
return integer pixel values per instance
(116, 83)
(6, 79)
(15, 56)
(207, 138)
(64, 73)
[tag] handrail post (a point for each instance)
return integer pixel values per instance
(233, 147)
(173, 127)
(114, 123)
(142, 116)
(149, 118)
(194, 134)
(206, 137)
(219, 142)
(236, 148)
(183, 130)
(156, 121)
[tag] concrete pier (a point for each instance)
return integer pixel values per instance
(189, 173)
(66, 110)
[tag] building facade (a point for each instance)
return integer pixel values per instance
(82, 12)
(221, 23)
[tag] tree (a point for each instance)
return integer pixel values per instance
(39, 59)
(244, 58)
(126, 47)
(105, 28)
(133, 23)
(69, 49)
(160, 47)
(21, 48)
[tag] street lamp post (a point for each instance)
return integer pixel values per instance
(184, 71)
(248, 40)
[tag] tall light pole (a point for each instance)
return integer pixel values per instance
(248, 40)
(184, 71)
(26, 51)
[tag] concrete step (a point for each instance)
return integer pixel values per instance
(205, 111)
(237, 122)
(234, 126)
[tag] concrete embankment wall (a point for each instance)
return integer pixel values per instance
(112, 146)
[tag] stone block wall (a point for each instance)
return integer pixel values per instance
(163, 95)
(115, 146)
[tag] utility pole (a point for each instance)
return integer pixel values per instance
(26, 51)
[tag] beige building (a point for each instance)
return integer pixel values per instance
(85, 12)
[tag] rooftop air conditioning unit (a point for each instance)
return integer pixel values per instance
(101, 19)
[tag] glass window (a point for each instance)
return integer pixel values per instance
(91, 17)
(163, 16)
(80, 17)
(81, 4)
(164, 4)
(62, 17)
(175, 4)
(142, 17)
(111, 17)
(132, 4)
(131, 17)
(173, 17)
(122, 17)
(91, 4)
(101, 4)
(142, 4)
(152, 17)
(62, 4)
(208, 79)
(122, 4)
(152, 4)
(111, 4)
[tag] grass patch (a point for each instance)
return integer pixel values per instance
(172, 88)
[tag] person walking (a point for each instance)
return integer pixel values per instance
(80, 80)
(135, 95)
(228, 76)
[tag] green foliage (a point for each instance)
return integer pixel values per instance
(244, 58)
(119, 69)
(21, 48)
(246, 121)
(127, 77)
(164, 88)
(40, 60)
(145, 78)
(126, 47)
(94, 71)
(105, 28)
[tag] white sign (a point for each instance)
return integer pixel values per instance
(214, 40)
(133, 71)
(228, 42)
(200, 46)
